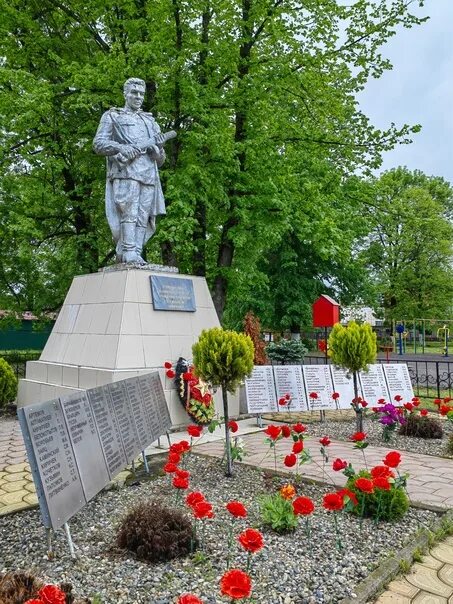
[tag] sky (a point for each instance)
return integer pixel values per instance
(419, 90)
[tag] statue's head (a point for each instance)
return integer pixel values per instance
(134, 93)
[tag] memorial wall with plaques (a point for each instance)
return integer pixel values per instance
(76, 444)
(268, 383)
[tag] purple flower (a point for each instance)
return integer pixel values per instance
(387, 420)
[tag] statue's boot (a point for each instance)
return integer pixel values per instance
(128, 242)
(140, 233)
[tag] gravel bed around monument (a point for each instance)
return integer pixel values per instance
(288, 570)
(342, 430)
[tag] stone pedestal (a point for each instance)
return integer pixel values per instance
(108, 330)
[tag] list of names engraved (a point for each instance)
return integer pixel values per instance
(289, 380)
(343, 385)
(373, 385)
(399, 382)
(126, 425)
(319, 381)
(260, 390)
(55, 461)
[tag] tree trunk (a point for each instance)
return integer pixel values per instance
(229, 466)
(358, 411)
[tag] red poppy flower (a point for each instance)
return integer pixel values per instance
(358, 436)
(273, 432)
(347, 494)
(207, 398)
(282, 401)
(233, 426)
(298, 447)
(444, 409)
(381, 401)
(333, 502)
(437, 401)
(299, 428)
(180, 483)
(335, 395)
(423, 412)
(193, 498)
(184, 445)
(187, 376)
(286, 431)
(392, 459)
(51, 594)
(189, 599)
(364, 403)
(174, 458)
(236, 584)
(195, 431)
(170, 374)
(184, 474)
(416, 401)
(408, 406)
(313, 395)
(382, 483)
(203, 509)
(325, 441)
(365, 485)
(290, 460)
(288, 396)
(357, 400)
(168, 365)
(381, 472)
(303, 506)
(447, 399)
(236, 509)
(398, 398)
(170, 468)
(339, 465)
(251, 540)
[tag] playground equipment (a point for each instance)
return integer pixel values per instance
(446, 334)
(422, 336)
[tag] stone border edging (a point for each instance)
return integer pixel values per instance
(387, 570)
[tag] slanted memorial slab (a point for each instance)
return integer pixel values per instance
(342, 384)
(373, 385)
(398, 382)
(77, 443)
(289, 380)
(260, 390)
(318, 379)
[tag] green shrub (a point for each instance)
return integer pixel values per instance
(277, 513)
(423, 427)
(286, 351)
(156, 533)
(382, 505)
(8, 384)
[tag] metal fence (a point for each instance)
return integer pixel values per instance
(18, 360)
(430, 379)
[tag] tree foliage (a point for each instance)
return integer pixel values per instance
(409, 249)
(262, 94)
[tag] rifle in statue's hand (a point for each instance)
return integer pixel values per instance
(145, 147)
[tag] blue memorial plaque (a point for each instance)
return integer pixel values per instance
(171, 293)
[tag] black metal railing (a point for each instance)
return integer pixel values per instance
(430, 379)
(18, 360)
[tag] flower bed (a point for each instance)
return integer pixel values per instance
(289, 568)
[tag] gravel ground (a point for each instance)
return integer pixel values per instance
(287, 571)
(342, 431)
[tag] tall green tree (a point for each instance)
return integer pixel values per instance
(258, 90)
(409, 250)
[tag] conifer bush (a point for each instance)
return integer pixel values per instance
(224, 358)
(8, 383)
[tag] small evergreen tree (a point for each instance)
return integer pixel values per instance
(252, 328)
(8, 383)
(353, 348)
(223, 358)
(287, 352)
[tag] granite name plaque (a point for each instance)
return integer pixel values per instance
(125, 420)
(138, 411)
(107, 425)
(171, 293)
(343, 385)
(260, 390)
(52, 460)
(85, 443)
(318, 380)
(398, 382)
(156, 410)
(289, 380)
(374, 386)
